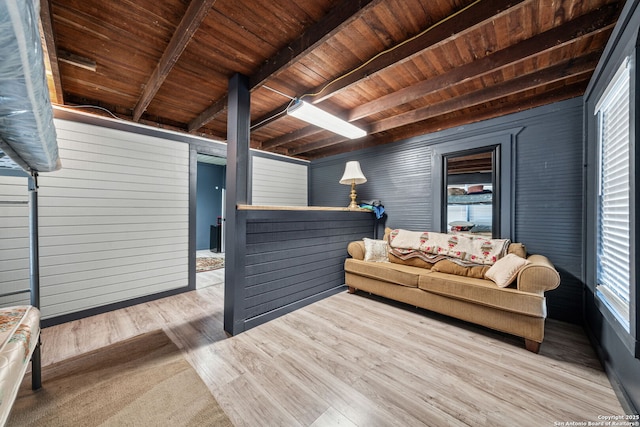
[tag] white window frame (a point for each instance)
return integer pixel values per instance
(614, 245)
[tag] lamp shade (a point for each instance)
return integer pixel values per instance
(314, 115)
(353, 174)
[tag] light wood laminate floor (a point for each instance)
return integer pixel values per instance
(352, 360)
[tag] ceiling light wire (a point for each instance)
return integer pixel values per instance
(391, 49)
(281, 113)
(270, 118)
(278, 92)
(92, 107)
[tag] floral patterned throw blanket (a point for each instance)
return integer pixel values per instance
(432, 247)
(19, 332)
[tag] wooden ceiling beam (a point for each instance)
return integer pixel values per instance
(342, 14)
(316, 145)
(290, 137)
(587, 25)
(567, 92)
(193, 17)
(213, 111)
(583, 65)
(77, 60)
(464, 21)
(51, 52)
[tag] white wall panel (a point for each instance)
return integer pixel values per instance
(114, 220)
(14, 239)
(277, 182)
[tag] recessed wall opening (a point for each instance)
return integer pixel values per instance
(210, 219)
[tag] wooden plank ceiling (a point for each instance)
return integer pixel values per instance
(398, 68)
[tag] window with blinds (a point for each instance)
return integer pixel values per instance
(613, 271)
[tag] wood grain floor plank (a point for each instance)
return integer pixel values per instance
(410, 406)
(292, 394)
(332, 418)
(248, 404)
(356, 360)
(357, 407)
(444, 381)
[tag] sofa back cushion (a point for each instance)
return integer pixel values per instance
(517, 249)
(450, 267)
(414, 262)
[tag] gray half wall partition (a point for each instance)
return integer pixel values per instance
(288, 258)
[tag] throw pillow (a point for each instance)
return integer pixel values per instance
(506, 269)
(375, 250)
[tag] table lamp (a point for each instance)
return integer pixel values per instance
(353, 175)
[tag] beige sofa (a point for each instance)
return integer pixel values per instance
(445, 287)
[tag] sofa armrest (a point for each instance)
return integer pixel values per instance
(356, 249)
(539, 276)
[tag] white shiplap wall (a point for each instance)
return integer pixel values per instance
(14, 239)
(278, 183)
(114, 220)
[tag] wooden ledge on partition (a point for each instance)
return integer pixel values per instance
(298, 208)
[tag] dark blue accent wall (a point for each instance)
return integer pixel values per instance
(208, 201)
(549, 201)
(618, 349)
(546, 186)
(398, 174)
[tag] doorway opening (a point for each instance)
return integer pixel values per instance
(210, 219)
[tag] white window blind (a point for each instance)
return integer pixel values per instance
(613, 272)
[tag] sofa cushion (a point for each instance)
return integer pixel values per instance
(482, 291)
(393, 273)
(446, 266)
(414, 262)
(506, 269)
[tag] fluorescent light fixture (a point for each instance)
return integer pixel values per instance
(312, 114)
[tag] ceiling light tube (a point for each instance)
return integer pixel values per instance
(312, 114)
